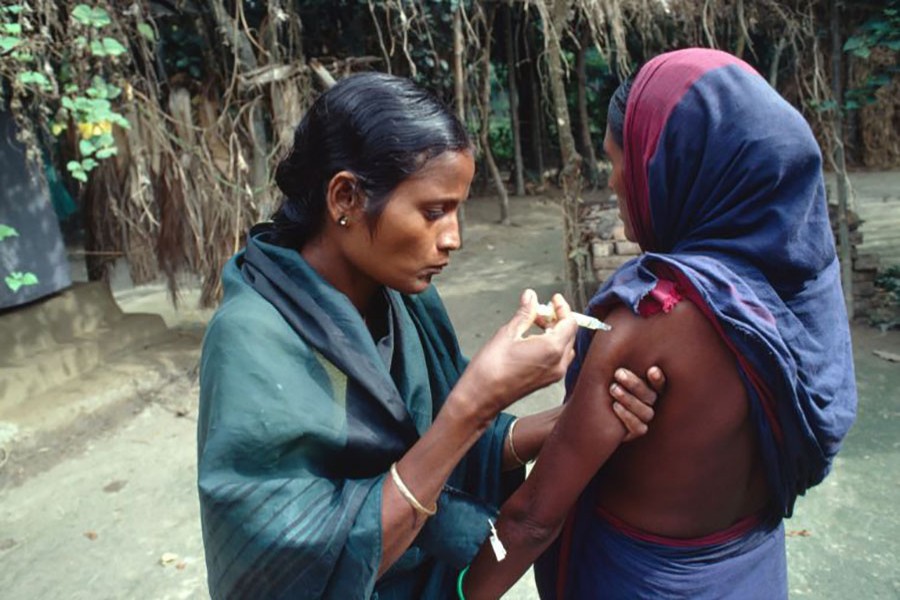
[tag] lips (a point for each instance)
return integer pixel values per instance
(434, 269)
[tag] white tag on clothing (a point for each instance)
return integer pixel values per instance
(496, 544)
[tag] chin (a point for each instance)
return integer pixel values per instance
(416, 286)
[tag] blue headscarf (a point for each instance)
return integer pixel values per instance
(724, 189)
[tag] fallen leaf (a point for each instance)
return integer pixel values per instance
(7, 543)
(798, 533)
(168, 558)
(180, 566)
(91, 535)
(114, 486)
(888, 356)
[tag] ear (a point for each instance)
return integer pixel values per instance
(343, 197)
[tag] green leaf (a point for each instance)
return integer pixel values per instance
(862, 52)
(146, 31)
(14, 10)
(113, 47)
(34, 77)
(16, 281)
(107, 152)
(6, 231)
(854, 42)
(86, 147)
(7, 43)
(95, 17)
(73, 165)
(97, 48)
(88, 164)
(82, 13)
(13, 28)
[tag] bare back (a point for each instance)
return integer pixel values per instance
(698, 470)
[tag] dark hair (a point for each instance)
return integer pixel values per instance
(615, 116)
(379, 127)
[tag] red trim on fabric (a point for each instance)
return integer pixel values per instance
(739, 529)
(655, 93)
(565, 551)
(661, 298)
(690, 292)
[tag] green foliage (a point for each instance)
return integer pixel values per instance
(64, 78)
(889, 282)
(887, 312)
(6, 231)
(881, 31)
(16, 280)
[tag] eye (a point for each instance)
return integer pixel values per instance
(433, 213)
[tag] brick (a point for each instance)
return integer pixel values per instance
(866, 262)
(600, 249)
(627, 248)
(603, 274)
(610, 262)
(618, 232)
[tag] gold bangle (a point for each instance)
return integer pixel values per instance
(408, 495)
(512, 446)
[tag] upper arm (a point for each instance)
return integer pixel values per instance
(588, 431)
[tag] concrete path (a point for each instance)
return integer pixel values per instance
(109, 510)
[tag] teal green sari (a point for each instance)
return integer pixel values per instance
(301, 414)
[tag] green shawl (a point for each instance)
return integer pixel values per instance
(300, 417)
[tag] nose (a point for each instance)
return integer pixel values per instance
(449, 238)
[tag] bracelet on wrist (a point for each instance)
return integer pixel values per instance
(408, 495)
(512, 445)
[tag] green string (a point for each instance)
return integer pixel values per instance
(459, 582)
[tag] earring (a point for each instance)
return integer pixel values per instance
(342, 220)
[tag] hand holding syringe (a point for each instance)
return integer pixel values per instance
(547, 312)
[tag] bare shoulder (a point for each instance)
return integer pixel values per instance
(639, 342)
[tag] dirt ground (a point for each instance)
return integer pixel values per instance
(110, 511)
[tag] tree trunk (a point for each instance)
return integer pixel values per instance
(536, 123)
(555, 19)
(486, 115)
(459, 91)
(837, 88)
(587, 145)
(514, 102)
(259, 138)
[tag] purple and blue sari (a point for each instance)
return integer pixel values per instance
(724, 189)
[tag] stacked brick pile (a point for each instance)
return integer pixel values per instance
(605, 238)
(865, 264)
(606, 241)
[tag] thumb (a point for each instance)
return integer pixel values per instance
(527, 313)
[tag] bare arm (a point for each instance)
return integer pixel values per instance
(587, 433)
(507, 368)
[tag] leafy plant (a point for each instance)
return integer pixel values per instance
(17, 279)
(881, 31)
(64, 80)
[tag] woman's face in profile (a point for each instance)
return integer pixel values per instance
(418, 228)
(617, 180)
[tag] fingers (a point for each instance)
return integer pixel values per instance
(637, 387)
(525, 315)
(635, 427)
(657, 379)
(562, 308)
(636, 407)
